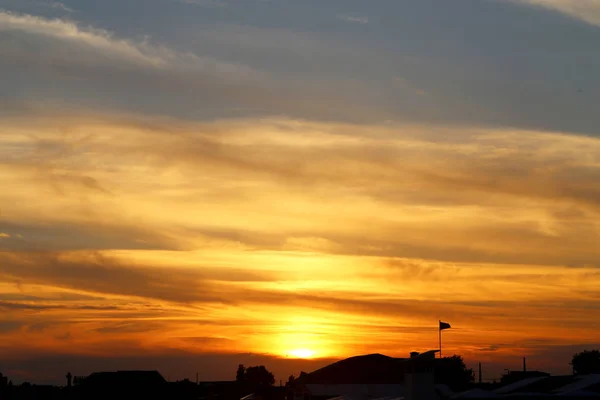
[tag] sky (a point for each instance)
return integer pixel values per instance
(192, 184)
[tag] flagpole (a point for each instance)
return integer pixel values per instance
(440, 336)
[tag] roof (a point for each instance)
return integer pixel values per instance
(581, 383)
(444, 390)
(361, 397)
(513, 387)
(477, 394)
(581, 393)
(217, 383)
(546, 385)
(267, 393)
(521, 395)
(125, 378)
(367, 369)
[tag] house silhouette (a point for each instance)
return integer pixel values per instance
(123, 385)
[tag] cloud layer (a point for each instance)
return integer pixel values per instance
(293, 231)
(248, 185)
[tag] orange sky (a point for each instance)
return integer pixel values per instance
(217, 245)
(196, 185)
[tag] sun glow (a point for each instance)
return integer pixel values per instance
(301, 353)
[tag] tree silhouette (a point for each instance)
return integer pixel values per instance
(291, 380)
(258, 377)
(453, 372)
(241, 371)
(586, 362)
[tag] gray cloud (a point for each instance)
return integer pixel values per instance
(130, 327)
(59, 5)
(44, 307)
(83, 236)
(243, 69)
(122, 68)
(10, 326)
(206, 3)
(353, 19)
(99, 274)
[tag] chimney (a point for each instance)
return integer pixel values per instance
(480, 375)
(524, 364)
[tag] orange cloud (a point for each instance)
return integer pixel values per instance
(294, 238)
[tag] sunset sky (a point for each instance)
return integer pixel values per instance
(186, 185)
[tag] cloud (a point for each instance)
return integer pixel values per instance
(172, 82)
(139, 326)
(207, 3)
(267, 233)
(61, 6)
(96, 273)
(494, 347)
(260, 70)
(23, 307)
(354, 19)
(584, 10)
(283, 305)
(38, 5)
(508, 187)
(72, 235)
(69, 33)
(100, 51)
(9, 326)
(108, 276)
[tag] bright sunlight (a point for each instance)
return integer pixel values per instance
(301, 353)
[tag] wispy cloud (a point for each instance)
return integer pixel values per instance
(206, 3)
(68, 32)
(60, 6)
(129, 67)
(102, 49)
(353, 19)
(472, 175)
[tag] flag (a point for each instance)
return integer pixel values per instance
(444, 325)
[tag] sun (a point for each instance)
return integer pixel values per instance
(301, 353)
